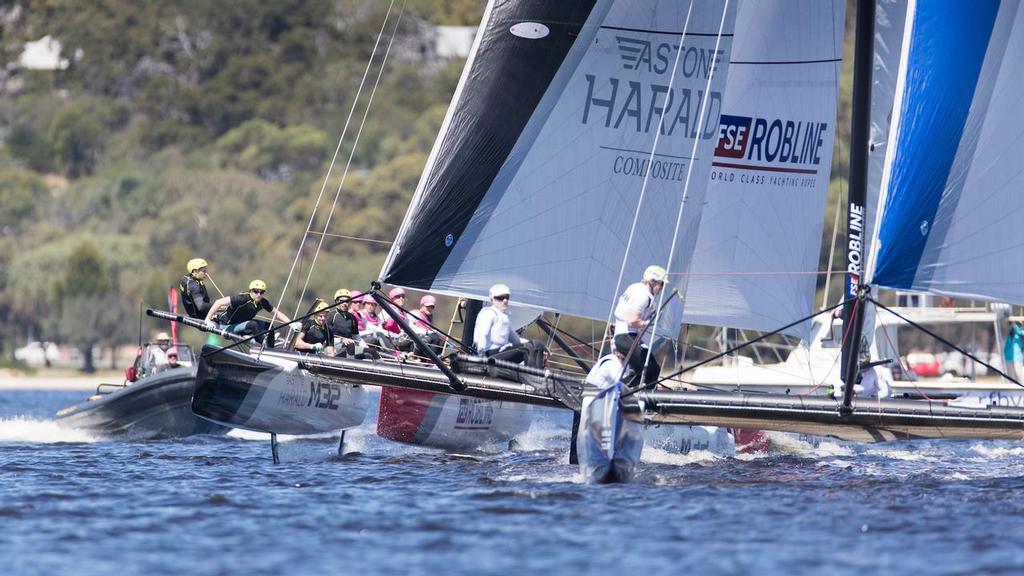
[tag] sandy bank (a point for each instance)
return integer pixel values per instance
(57, 380)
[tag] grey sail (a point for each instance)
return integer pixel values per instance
(563, 133)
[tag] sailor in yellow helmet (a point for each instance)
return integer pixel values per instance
(240, 316)
(192, 288)
(315, 336)
(634, 311)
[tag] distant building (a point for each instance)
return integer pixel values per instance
(43, 54)
(454, 41)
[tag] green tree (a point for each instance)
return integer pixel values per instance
(76, 139)
(82, 295)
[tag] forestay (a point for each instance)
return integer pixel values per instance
(550, 142)
(757, 252)
(952, 210)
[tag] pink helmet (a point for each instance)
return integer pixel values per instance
(428, 300)
(396, 292)
(367, 299)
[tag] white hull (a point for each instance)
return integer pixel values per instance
(683, 439)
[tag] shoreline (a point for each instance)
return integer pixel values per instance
(56, 381)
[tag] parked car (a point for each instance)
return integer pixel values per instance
(924, 364)
(37, 353)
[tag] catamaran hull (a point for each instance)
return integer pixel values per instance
(868, 421)
(274, 394)
(685, 439)
(157, 407)
(608, 445)
(449, 422)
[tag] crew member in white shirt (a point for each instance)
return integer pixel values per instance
(494, 336)
(873, 381)
(636, 309)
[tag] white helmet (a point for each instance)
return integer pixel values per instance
(499, 290)
(655, 273)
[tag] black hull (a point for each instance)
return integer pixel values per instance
(156, 407)
(273, 393)
(870, 420)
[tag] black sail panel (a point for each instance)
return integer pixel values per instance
(509, 75)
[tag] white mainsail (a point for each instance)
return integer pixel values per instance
(545, 203)
(952, 208)
(756, 261)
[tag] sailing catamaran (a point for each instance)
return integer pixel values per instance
(579, 148)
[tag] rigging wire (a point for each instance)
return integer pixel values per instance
(643, 187)
(334, 159)
(352, 151)
(686, 185)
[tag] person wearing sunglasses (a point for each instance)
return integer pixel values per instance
(494, 336)
(240, 314)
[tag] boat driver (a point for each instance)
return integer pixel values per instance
(634, 311)
(494, 336)
(172, 362)
(239, 318)
(158, 350)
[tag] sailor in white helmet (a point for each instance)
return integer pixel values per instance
(634, 311)
(494, 336)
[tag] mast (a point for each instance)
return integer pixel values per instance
(853, 312)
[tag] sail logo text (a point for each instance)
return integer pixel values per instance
(660, 57)
(854, 247)
(641, 107)
(775, 140)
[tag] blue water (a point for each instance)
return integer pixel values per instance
(74, 504)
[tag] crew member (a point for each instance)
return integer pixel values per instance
(634, 312)
(158, 350)
(494, 336)
(315, 336)
(872, 381)
(172, 362)
(345, 326)
(193, 289)
(239, 318)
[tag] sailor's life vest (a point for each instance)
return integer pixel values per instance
(192, 290)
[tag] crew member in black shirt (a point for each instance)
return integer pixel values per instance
(239, 318)
(193, 290)
(315, 336)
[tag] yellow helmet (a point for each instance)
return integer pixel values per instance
(195, 264)
(258, 285)
(343, 293)
(656, 273)
(320, 306)
(500, 290)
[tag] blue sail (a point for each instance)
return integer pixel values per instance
(952, 211)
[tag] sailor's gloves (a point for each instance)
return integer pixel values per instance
(318, 347)
(210, 324)
(296, 328)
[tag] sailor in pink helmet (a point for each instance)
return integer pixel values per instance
(424, 317)
(423, 323)
(370, 314)
(397, 296)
